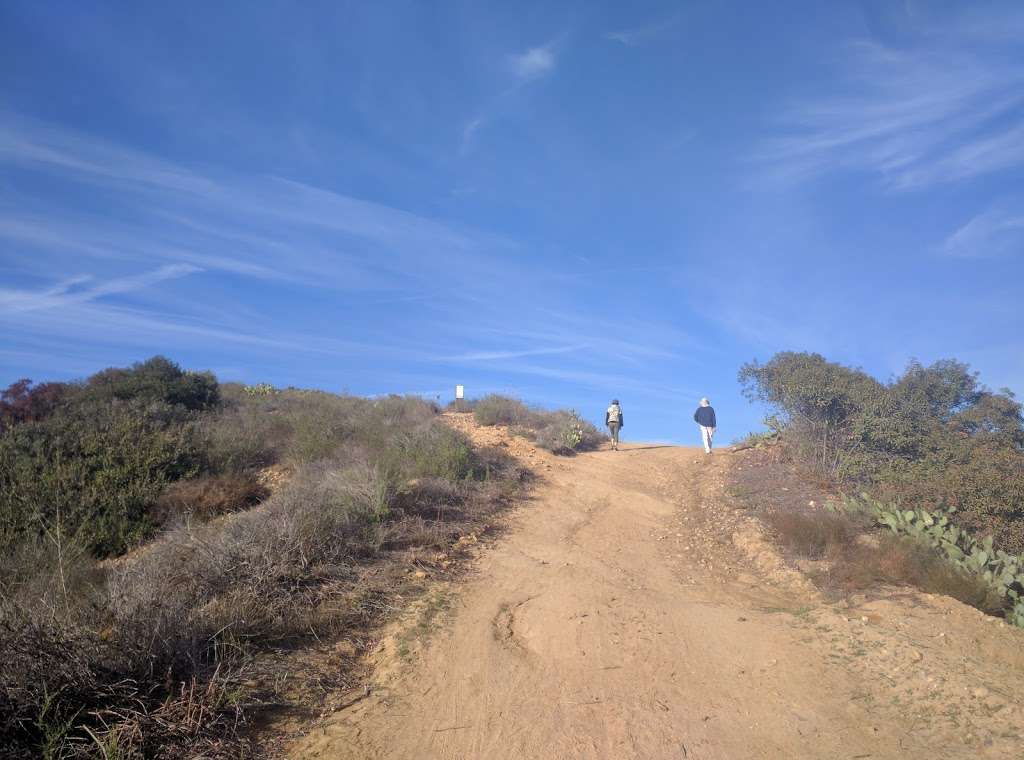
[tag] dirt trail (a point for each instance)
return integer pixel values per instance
(630, 612)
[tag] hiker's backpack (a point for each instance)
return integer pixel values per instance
(614, 413)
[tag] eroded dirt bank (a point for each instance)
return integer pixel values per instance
(631, 612)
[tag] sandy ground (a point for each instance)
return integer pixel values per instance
(630, 611)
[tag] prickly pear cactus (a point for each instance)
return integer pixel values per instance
(1004, 572)
(260, 389)
(572, 434)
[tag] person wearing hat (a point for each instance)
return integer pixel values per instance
(613, 419)
(705, 418)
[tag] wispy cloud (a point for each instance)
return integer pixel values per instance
(170, 221)
(469, 132)
(505, 355)
(105, 240)
(600, 379)
(527, 67)
(265, 227)
(645, 32)
(38, 232)
(943, 109)
(30, 143)
(534, 63)
(993, 233)
(92, 323)
(67, 292)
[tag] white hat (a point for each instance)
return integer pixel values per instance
(704, 402)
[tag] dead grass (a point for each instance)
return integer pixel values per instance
(815, 535)
(209, 496)
(842, 553)
(73, 687)
(850, 559)
(903, 561)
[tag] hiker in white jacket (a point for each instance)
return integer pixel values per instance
(613, 419)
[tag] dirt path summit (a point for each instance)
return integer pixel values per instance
(630, 612)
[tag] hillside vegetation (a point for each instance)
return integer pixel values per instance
(936, 460)
(934, 437)
(143, 655)
(560, 432)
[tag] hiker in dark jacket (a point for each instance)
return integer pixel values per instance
(613, 419)
(705, 417)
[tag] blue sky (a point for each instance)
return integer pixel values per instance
(563, 201)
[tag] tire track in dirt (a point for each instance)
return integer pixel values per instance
(504, 627)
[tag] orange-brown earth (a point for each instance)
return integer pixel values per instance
(633, 610)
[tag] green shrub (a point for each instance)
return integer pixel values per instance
(256, 430)
(431, 451)
(501, 410)
(94, 469)
(565, 432)
(818, 401)
(561, 432)
(981, 481)
(242, 437)
(933, 436)
(318, 423)
(314, 437)
(99, 454)
(154, 380)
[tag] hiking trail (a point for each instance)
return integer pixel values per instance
(631, 610)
